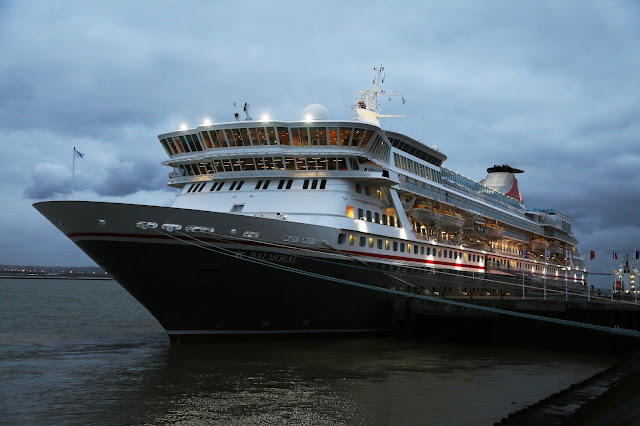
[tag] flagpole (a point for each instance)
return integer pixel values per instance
(73, 171)
(523, 274)
(566, 281)
(545, 278)
(613, 284)
(589, 279)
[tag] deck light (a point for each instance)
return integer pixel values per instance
(308, 118)
(207, 122)
(265, 117)
(183, 126)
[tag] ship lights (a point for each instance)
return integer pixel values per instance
(308, 118)
(265, 117)
(207, 122)
(183, 126)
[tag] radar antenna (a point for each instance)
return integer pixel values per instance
(246, 107)
(367, 105)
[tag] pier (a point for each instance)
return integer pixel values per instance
(596, 325)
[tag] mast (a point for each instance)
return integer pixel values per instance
(367, 106)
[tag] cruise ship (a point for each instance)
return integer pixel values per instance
(295, 227)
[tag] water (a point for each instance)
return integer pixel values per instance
(85, 352)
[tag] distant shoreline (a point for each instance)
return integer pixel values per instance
(55, 277)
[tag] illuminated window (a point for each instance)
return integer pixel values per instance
(271, 133)
(352, 240)
(387, 245)
(366, 138)
(371, 242)
(350, 212)
(283, 135)
(345, 136)
(333, 136)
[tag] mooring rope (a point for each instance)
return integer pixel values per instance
(227, 252)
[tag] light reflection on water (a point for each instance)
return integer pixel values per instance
(80, 352)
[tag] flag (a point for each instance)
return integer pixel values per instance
(79, 154)
(637, 254)
(615, 255)
(547, 254)
(403, 101)
(593, 254)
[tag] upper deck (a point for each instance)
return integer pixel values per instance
(263, 134)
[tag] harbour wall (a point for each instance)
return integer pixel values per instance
(425, 319)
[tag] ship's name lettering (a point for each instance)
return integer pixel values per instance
(273, 257)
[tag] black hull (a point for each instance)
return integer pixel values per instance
(248, 277)
(194, 291)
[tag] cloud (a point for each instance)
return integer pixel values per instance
(549, 87)
(46, 179)
(113, 178)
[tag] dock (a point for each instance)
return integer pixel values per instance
(596, 325)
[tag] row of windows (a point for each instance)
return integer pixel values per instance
(314, 184)
(196, 187)
(416, 168)
(267, 163)
(182, 144)
(374, 217)
(260, 136)
(367, 191)
(402, 247)
(416, 152)
(506, 263)
(236, 185)
(380, 149)
(477, 188)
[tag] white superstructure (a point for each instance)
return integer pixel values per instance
(388, 193)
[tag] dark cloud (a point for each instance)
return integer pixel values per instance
(114, 179)
(550, 87)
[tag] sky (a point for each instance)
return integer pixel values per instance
(549, 87)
